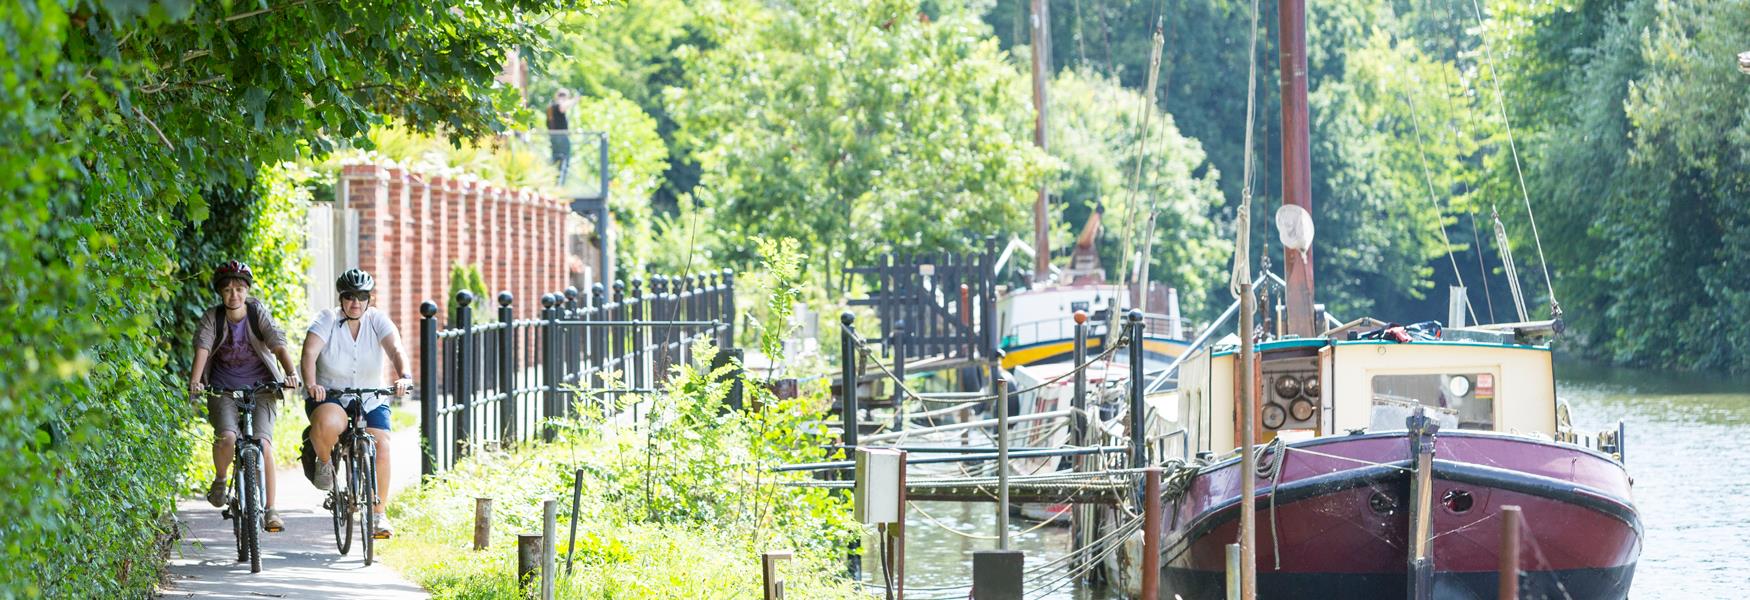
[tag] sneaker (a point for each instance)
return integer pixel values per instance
(216, 493)
(272, 521)
(324, 476)
(384, 529)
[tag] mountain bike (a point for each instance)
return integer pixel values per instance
(246, 499)
(355, 487)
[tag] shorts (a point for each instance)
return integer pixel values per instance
(378, 418)
(222, 413)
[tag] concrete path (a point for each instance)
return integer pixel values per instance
(300, 562)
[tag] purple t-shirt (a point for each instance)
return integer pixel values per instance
(235, 364)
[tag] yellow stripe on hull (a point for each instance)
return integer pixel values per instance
(1049, 350)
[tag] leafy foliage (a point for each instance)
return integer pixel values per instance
(854, 128)
(134, 134)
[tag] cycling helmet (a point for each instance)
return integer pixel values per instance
(355, 280)
(229, 270)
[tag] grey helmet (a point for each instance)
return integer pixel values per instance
(355, 280)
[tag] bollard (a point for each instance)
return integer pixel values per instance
(1420, 561)
(428, 388)
(549, 508)
(482, 523)
(1151, 534)
(528, 558)
(996, 574)
(1509, 579)
(772, 582)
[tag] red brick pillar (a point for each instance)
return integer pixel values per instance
(476, 225)
(393, 283)
(367, 193)
(525, 248)
(449, 213)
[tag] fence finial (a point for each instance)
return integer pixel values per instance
(464, 297)
(549, 300)
(504, 298)
(428, 309)
(571, 292)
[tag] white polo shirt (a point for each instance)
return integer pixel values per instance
(352, 362)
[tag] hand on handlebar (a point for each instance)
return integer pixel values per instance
(403, 387)
(291, 382)
(318, 392)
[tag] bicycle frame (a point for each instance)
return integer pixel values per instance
(355, 448)
(246, 502)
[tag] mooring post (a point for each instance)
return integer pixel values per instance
(428, 388)
(1081, 515)
(1511, 519)
(1138, 451)
(482, 523)
(1151, 533)
(1421, 560)
(1233, 572)
(507, 403)
(528, 558)
(848, 367)
(549, 537)
(899, 375)
(1002, 464)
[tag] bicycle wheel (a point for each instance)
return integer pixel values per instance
(340, 503)
(368, 497)
(252, 504)
(234, 512)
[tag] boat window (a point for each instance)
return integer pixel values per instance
(1454, 400)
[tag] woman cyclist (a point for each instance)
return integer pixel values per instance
(345, 348)
(239, 346)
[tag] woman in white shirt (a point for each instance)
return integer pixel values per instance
(345, 348)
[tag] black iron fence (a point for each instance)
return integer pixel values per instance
(496, 383)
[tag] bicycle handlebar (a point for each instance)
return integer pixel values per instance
(251, 390)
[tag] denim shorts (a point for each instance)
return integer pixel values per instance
(378, 418)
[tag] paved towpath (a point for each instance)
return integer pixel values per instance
(300, 562)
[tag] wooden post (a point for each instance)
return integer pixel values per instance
(848, 380)
(1511, 518)
(1421, 557)
(1081, 515)
(1233, 572)
(773, 582)
(1002, 464)
(1248, 460)
(1151, 534)
(549, 508)
(528, 557)
(482, 523)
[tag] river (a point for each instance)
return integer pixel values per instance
(1682, 436)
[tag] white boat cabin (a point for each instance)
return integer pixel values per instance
(1317, 387)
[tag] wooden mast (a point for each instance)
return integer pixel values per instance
(1296, 164)
(1041, 71)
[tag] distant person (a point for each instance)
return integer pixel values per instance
(559, 128)
(239, 346)
(343, 349)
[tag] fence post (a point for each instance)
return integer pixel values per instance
(1138, 457)
(464, 393)
(728, 316)
(848, 366)
(507, 404)
(550, 376)
(428, 389)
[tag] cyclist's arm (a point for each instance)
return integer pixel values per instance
(200, 368)
(285, 358)
(313, 345)
(392, 346)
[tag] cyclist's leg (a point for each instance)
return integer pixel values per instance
(222, 415)
(266, 411)
(377, 424)
(327, 420)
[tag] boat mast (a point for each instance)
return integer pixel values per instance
(1296, 164)
(1041, 70)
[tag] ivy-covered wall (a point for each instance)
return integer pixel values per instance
(132, 140)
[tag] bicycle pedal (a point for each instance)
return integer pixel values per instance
(380, 536)
(273, 529)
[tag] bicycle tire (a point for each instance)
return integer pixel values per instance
(368, 498)
(252, 500)
(234, 512)
(340, 503)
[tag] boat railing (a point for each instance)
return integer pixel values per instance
(1059, 328)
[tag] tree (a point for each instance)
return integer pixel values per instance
(855, 128)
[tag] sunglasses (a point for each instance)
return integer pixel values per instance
(355, 297)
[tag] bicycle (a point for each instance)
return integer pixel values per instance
(247, 494)
(356, 492)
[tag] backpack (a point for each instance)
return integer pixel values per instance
(307, 455)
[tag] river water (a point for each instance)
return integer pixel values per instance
(1682, 450)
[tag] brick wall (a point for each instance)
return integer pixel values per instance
(413, 226)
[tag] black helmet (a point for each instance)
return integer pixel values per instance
(229, 270)
(354, 280)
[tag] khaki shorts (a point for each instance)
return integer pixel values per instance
(222, 413)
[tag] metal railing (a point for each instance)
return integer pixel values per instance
(499, 383)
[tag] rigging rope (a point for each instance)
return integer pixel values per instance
(1507, 265)
(1427, 178)
(1501, 105)
(1243, 220)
